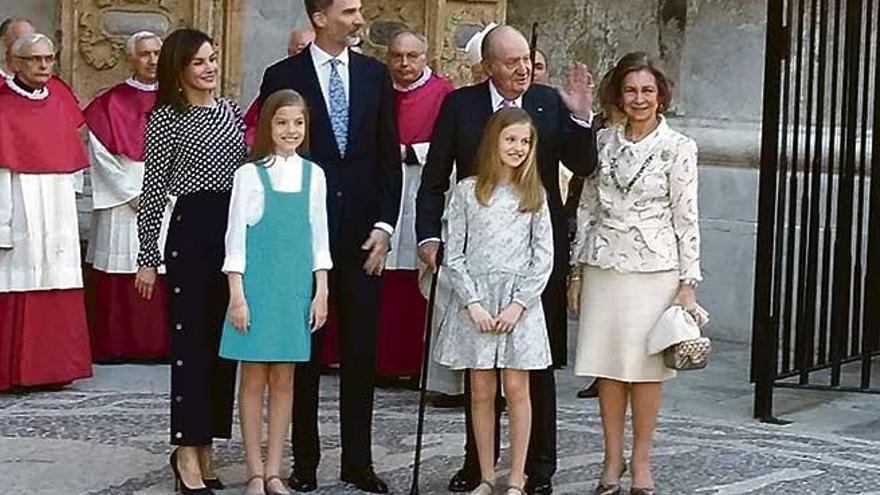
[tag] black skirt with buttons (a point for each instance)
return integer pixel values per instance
(202, 383)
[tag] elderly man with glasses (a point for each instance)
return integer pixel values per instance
(44, 340)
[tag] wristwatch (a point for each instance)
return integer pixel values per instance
(690, 281)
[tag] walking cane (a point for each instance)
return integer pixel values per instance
(423, 379)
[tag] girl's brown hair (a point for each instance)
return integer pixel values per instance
(263, 146)
(525, 180)
(178, 50)
(611, 87)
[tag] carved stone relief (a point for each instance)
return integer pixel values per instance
(94, 34)
(448, 24)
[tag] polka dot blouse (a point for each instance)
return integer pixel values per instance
(197, 150)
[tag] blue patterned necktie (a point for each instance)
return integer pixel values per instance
(338, 107)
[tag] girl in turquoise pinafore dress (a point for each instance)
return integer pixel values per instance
(277, 258)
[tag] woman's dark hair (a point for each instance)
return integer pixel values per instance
(611, 87)
(263, 146)
(178, 50)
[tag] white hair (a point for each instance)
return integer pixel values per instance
(27, 41)
(131, 44)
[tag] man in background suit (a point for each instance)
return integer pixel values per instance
(353, 137)
(562, 119)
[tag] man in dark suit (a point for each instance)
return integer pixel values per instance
(562, 119)
(353, 137)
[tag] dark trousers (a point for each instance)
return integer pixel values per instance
(202, 383)
(541, 457)
(356, 301)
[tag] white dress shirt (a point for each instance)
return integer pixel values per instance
(246, 208)
(323, 68)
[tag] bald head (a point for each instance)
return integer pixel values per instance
(507, 61)
(299, 39)
(501, 40)
(11, 30)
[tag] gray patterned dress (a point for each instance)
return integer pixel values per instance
(496, 255)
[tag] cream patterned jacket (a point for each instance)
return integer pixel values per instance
(638, 211)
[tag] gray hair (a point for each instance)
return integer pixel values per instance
(131, 44)
(403, 32)
(27, 41)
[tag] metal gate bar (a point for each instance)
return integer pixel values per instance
(818, 243)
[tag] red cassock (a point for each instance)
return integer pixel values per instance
(402, 314)
(125, 326)
(43, 334)
(251, 120)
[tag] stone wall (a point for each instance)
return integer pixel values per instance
(713, 49)
(266, 27)
(46, 15)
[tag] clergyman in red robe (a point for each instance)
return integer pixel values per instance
(126, 326)
(44, 338)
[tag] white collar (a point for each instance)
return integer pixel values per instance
(497, 99)
(645, 142)
(287, 160)
(421, 81)
(322, 58)
(4, 74)
(38, 95)
(134, 83)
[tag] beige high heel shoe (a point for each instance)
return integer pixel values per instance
(485, 487)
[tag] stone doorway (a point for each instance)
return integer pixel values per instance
(448, 24)
(94, 33)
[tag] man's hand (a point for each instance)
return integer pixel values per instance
(577, 94)
(145, 281)
(377, 247)
(481, 318)
(428, 254)
(509, 318)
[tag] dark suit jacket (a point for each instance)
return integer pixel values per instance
(363, 187)
(457, 135)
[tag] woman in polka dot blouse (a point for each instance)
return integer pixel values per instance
(194, 144)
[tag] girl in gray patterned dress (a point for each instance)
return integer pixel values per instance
(499, 258)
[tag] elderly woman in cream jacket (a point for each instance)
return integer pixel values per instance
(637, 252)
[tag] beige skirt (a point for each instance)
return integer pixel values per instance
(618, 311)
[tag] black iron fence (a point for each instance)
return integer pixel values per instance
(817, 285)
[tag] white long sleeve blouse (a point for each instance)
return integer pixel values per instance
(246, 208)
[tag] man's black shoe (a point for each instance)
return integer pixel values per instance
(364, 479)
(591, 391)
(538, 487)
(302, 482)
(465, 480)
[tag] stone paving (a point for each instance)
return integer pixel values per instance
(113, 440)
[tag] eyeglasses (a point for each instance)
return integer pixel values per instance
(48, 59)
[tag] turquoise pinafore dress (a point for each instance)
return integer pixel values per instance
(277, 279)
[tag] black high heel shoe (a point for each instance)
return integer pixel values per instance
(214, 483)
(179, 485)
